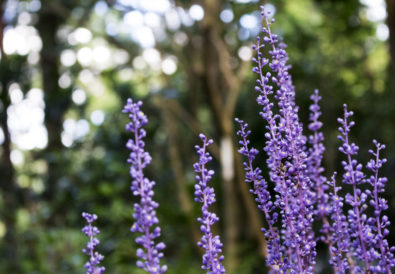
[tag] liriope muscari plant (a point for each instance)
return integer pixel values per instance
(144, 214)
(205, 194)
(301, 194)
(92, 266)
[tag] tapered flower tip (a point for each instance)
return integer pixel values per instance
(89, 217)
(202, 137)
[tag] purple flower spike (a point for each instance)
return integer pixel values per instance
(275, 252)
(379, 222)
(315, 170)
(92, 266)
(286, 150)
(144, 211)
(204, 194)
(353, 175)
(339, 238)
(316, 153)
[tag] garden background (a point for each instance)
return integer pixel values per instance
(67, 67)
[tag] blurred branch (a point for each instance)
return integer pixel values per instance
(191, 122)
(234, 79)
(254, 215)
(176, 163)
(87, 12)
(119, 44)
(56, 8)
(210, 58)
(240, 76)
(64, 11)
(224, 60)
(391, 27)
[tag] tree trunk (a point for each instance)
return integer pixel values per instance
(56, 100)
(9, 191)
(391, 27)
(8, 186)
(231, 210)
(178, 170)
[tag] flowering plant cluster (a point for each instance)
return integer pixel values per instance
(301, 195)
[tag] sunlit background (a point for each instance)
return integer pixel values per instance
(145, 23)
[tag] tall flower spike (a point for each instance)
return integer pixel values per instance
(144, 214)
(285, 147)
(379, 222)
(316, 153)
(338, 232)
(315, 169)
(275, 253)
(204, 194)
(354, 176)
(92, 266)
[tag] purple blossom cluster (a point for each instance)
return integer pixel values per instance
(302, 194)
(92, 266)
(366, 234)
(146, 221)
(288, 161)
(212, 259)
(379, 249)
